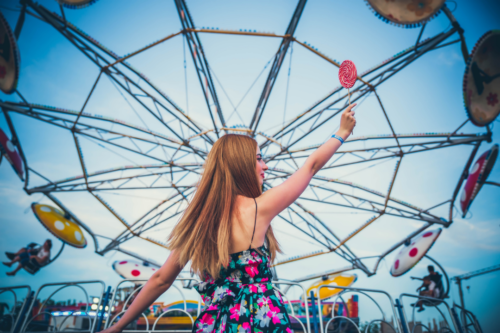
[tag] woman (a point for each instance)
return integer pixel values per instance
(223, 231)
(39, 257)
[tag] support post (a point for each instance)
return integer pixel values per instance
(399, 306)
(100, 316)
(462, 303)
(455, 317)
(313, 306)
(23, 313)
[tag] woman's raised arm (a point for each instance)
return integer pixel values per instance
(161, 280)
(275, 200)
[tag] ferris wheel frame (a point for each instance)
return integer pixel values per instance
(199, 139)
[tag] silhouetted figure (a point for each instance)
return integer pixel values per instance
(36, 256)
(437, 279)
(427, 289)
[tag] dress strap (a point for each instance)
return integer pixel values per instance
(254, 224)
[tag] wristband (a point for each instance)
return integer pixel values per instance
(335, 136)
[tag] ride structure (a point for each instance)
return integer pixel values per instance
(177, 143)
(459, 278)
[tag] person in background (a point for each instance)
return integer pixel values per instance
(437, 279)
(38, 257)
(427, 289)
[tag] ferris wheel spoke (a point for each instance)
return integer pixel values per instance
(383, 152)
(385, 113)
(276, 66)
(200, 63)
(317, 230)
(86, 45)
(109, 137)
(365, 204)
(146, 222)
(29, 109)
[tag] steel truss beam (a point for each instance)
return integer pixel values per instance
(151, 219)
(134, 182)
(149, 96)
(392, 151)
(313, 116)
(200, 62)
(312, 226)
(275, 68)
(127, 142)
(363, 204)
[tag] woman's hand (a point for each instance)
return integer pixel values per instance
(347, 122)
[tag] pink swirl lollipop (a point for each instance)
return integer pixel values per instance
(347, 74)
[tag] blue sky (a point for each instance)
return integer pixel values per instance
(425, 97)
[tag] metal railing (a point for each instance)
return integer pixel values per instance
(364, 292)
(429, 302)
(16, 317)
(467, 315)
(23, 318)
(55, 326)
(111, 319)
(307, 327)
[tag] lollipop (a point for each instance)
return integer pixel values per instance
(347, 76)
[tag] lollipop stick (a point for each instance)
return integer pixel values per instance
(349, 95)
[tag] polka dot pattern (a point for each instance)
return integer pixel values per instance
(54, 221)
(59, 225)
(132, 269)
(411, 254)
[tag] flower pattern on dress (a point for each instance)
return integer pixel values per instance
(205, 324)
(242, 299)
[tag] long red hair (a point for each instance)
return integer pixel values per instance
(203, 234)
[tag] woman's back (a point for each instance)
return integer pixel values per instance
(248, 226)
(242, 297)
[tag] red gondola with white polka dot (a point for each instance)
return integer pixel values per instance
(11, 154)
(477, 176)
(410, 255)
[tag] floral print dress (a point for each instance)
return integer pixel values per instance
(242, 299)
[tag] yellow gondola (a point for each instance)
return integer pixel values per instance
(63, 228)
(341, 280)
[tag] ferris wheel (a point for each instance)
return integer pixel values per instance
(166, 146)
